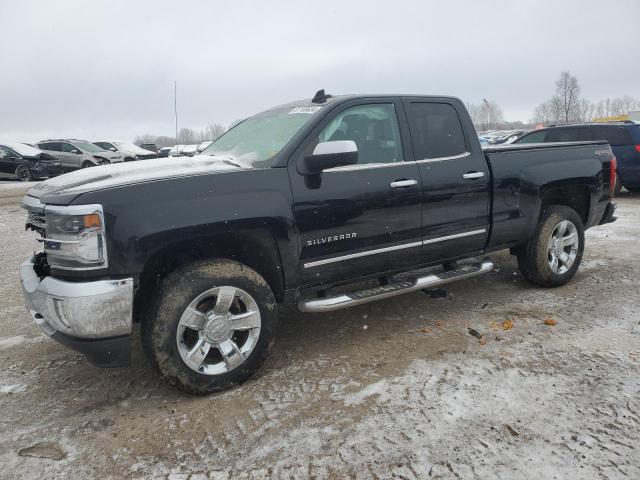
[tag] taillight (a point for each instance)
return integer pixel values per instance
(612, 174)
(637, 148)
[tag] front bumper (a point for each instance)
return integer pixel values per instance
(46, 171)
(93, 318)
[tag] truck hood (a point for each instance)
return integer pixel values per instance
(109, 176)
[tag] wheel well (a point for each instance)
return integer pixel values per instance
(573, 196)
(255, 249)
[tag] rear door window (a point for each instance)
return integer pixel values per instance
(534, 137)
(615, 135)
(51, 146)
(568, 134)
(436, 131)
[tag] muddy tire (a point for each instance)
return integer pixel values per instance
(210, 325)
(554, 252)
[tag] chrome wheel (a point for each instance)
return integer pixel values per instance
(562, 248)
(218, 330)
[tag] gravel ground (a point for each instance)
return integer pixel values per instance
(390, 389)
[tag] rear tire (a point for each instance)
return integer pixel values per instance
(553, 254)
(87, 164)
(210, 326)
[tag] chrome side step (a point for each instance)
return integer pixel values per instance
(344, 300)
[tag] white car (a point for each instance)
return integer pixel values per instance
(183, 150)
(127, 149)
(202, 146)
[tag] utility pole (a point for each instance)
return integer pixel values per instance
(175, 109)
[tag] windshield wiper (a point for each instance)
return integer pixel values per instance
(231, 162)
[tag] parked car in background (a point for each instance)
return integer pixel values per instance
(203, 145)
(74, 154)
(183, 150)
(152, 147)
(164, 152)
(624, 138)
(27, 163)
(498, 137)
(129, 150)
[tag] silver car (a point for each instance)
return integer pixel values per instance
(74, 154)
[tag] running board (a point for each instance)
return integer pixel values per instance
(327, 304)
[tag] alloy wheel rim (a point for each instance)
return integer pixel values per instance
(562, 248)
(218, 330)
(24, 174)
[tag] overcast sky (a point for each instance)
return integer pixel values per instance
(105, 69)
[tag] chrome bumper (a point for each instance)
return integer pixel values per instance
(85, 310)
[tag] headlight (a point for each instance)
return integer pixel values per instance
(75, 237)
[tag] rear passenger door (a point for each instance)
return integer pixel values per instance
(455, 180)
(55, 149)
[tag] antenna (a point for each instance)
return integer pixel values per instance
(320, 97)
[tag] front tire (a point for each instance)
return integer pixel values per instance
(24, 174)
(210, 326)
(553, 254)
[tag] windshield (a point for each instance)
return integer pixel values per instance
(88, 147)
(23, 149)
(258, 139)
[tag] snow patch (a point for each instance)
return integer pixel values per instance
(16, 388)
(379, 388)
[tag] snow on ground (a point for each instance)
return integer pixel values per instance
(412, 395)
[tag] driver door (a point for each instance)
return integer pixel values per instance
(361, 219)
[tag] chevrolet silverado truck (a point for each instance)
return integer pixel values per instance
(323, 204)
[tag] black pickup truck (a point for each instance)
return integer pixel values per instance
(324, 203)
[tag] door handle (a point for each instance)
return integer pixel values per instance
(403, 183)
(473, 175)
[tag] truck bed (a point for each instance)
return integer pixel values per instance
(522, 173)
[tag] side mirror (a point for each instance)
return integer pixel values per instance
(75, 151)
(327, 155)
(113, 149)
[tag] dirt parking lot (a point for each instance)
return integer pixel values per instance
(395, 389)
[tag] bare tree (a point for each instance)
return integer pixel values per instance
(485, 116)
(568, 91)
(213, 131)
(159, 141)
(629, 104)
